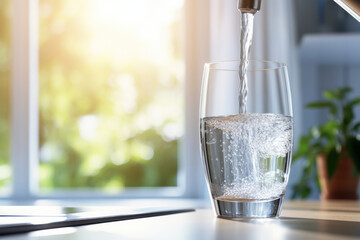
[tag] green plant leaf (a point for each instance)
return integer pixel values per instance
(353, 103)
(302, 190)
(348, 117)
(305, 192)
(330, 128)
(353, 146)
(320, 105)
(343, 91)
(315, 149)
(356, 127)
(329, 132)
(332, 160)
(331, 95)
(323, 104)
(337, 94)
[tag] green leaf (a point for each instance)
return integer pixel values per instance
(329, 132)
(331, 95)
(330, 128)
(337, 94)
(343, 91)
(305, 192)
(320, 105)
(353, 103)
(316, 149)
(301, 189)
(332, 160)
(323, 104)
(353, 146)
(356, 127)
(349, 116)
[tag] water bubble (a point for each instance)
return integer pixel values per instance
(254, 149)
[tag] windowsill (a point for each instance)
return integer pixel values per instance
(130, 203)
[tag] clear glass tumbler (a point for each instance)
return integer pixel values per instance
(246, 133)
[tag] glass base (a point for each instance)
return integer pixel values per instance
(248, 208)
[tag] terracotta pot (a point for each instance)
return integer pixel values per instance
(343, 185)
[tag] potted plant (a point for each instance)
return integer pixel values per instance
(334, 147)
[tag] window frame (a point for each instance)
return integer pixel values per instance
(25, 120)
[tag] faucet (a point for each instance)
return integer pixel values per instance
(249, 6)
(351, 6)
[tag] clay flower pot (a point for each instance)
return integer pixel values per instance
(343, 184)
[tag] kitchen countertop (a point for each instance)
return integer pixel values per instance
(298, 220)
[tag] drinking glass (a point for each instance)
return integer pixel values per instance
(246, 133)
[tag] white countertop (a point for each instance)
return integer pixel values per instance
(299, 220)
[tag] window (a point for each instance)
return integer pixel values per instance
(99, 94)
(110, 93)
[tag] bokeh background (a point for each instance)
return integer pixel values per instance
(112, 94)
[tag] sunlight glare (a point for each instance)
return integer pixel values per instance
(127, 28)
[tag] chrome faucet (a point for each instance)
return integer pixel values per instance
(351, 6)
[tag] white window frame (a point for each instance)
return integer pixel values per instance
(24, 110)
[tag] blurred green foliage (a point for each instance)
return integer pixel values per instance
(5, 171)
(111, 95)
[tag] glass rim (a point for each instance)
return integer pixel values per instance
(279, 65)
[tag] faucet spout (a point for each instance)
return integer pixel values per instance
(249, 6)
